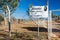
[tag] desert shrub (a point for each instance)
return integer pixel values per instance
(1, 19)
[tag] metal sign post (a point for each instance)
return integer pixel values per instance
(9, 24)
(37, 12)
(38, 27)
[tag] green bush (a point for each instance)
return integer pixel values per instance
(1, 18)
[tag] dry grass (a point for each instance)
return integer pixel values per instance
(20, 32)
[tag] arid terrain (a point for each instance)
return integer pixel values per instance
(28, 30)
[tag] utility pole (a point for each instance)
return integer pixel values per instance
(49, 22)
(50, 26)
(46, 2)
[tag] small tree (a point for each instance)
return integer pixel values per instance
(12, 4)
(18, 20)
(1, 19)
(58, 17)
(8, 7)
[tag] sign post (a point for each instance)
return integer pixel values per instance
(37, 12)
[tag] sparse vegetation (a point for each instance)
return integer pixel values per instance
(1, 19)
(56, 17)
(23, 34)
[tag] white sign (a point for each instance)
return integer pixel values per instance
(38, 12)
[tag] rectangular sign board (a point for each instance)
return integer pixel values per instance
(38, 12)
